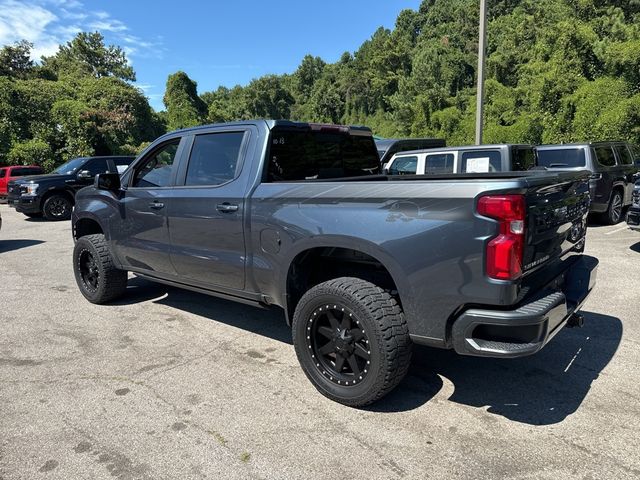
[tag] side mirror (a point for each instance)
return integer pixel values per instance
(84, 175)
(108, 181)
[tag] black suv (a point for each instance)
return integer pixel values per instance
(53, 195)
(614, 170)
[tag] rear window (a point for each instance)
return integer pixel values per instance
(404, 166)
(481, 161)
(523, 158)
(439, 163)
(23, 172)
(562, 158)
(315, 154)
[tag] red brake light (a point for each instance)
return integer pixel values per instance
(505, 252)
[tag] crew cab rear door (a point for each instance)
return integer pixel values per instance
(206, 212)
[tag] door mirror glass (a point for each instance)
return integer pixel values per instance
(108, 181)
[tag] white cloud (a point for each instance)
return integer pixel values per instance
(49, 23)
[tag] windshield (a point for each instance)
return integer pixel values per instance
(561, 158)
(70, 167)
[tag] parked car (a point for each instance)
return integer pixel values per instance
(633, 216)
(388, 147)
(613, 172)
(295, 215)
(13, 172)
(467, 159)
(53, 195)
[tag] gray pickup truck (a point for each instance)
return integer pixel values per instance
(299, 216)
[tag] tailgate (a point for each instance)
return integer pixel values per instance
(556, 219)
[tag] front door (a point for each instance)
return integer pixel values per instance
(207, 209)
(141, 240)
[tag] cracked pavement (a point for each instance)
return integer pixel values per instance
(171, 384)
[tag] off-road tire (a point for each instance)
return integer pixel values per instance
(380, 317)
(110, 283)
(57, 207)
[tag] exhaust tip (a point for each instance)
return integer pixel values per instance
(576, 321)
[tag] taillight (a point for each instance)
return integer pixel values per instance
(504, 252)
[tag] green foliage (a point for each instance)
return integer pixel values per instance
(85, 108)
(184, 107)
(30, 152)
(87, 55)
(15, 60)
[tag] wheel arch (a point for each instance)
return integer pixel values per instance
(341, 251)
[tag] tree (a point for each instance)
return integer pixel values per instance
(15, 60)
(87, 55)
(184, 107)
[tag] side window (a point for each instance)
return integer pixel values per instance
(404, 166)
(624, 155)
(523, 158)
(481, 161)
(3, 172)
(96, 166)
(122, 163)
(214, 158)
(605, 156)
(156, 169)
(439, 163)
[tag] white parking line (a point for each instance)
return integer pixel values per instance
(624, 227)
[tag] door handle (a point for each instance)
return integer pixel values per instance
(156, 205)
(226, 207)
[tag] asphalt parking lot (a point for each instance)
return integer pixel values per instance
(169, 384)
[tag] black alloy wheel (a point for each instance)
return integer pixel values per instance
(57, 207)
(89, 271)
(339, 344)
(352, 340)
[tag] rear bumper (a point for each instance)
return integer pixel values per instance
(525, 330)
(633, 218)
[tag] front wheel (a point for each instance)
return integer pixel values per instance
(96, 275)
(57, 207)
(352, 340)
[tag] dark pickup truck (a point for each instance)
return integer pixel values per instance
(299, 216)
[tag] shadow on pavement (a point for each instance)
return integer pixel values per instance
(269, 323)
(10, 245)
(539, 390)
(635, 247)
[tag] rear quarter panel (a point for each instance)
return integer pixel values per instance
(426, 234)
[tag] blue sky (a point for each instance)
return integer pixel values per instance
(215, 42)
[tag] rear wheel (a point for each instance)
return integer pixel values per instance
(96, 275)
(57, 207)
(352, 340)
(613, 215)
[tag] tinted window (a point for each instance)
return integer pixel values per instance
(481, 161)
(3, 172)
(69, 167)
(214, 158)
(522, 158)
(96, 166)
(156, 169)
(624, 155)
(605, 156)
(312, 154)
(439, 163)
(404, 166)
(561, 158)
